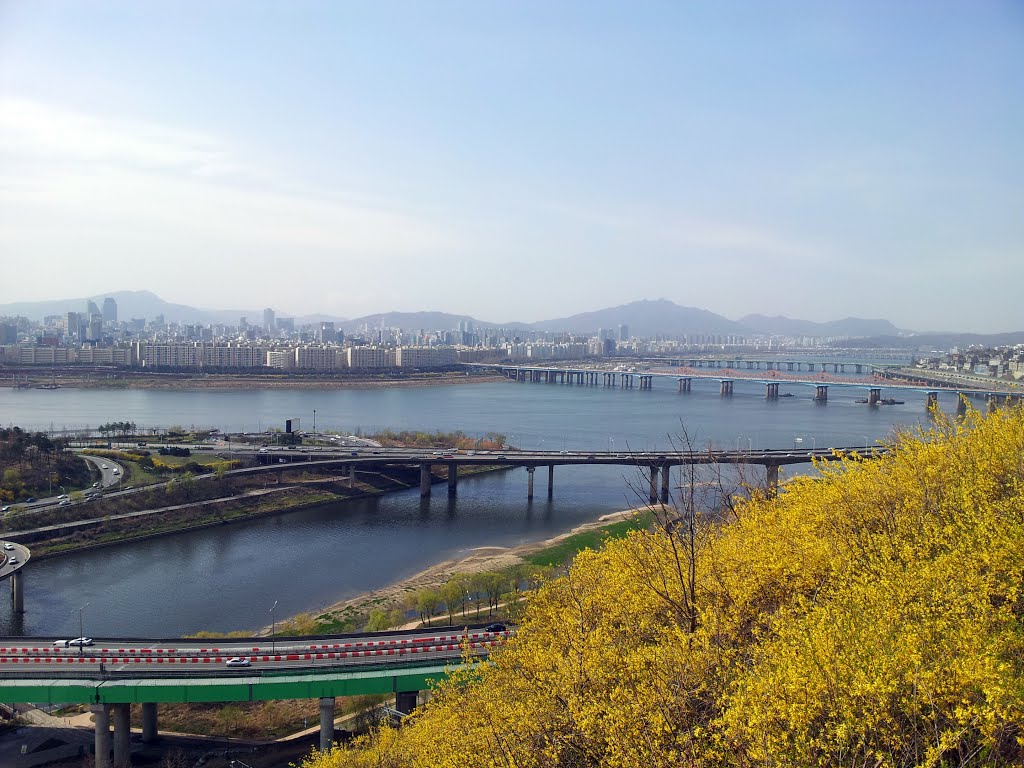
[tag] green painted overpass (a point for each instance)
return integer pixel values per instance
(183, 690)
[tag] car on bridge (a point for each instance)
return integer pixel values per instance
(76, 642)
(238, 661)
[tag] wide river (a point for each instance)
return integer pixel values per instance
(228, 577)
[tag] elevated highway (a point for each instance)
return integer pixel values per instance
(112, 674)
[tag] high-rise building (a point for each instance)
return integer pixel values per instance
(109, 310)
(269, 323)
(327, 334)
(623, 332)
(72, 328)
(91, 308)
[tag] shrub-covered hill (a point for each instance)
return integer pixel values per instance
(871, 617)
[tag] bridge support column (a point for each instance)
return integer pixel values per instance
(122, 735)
(149, 726)
(453, 478)
(821, 393)
(665, 483)
(405, 701)
(961, 403)
(352, 476)
(874, 395)
(772, 482)
(725, 388)
(326, 722)
(992, 401)
(653, 496)
(425, 479)
(529, 482)
(931, 400)
(771, 390)
(17, 594)
(551, 480)
(101, 714)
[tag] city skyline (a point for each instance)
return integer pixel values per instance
(519, 163)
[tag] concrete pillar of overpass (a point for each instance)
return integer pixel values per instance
(772, 482)
(425, 479)
(17, 594)
(453, 478)
(122, 735)
(874, 395)
(326, 722)
(352, 476)
(992, 401)
(551, 480)
(529, 482)
(149, 727)
(101, 714)
(961, 403)
(821, 393)
(665, 471)
(931, 400)
(405, 701)
(653, 496)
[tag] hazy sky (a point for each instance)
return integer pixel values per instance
(519, 160)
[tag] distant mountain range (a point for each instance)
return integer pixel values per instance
(647, 318)
(850, 326)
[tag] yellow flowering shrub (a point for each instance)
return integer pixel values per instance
(867, 616)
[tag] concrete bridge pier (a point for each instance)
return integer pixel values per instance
(453, 478)
(992, 401)
(931, 400)
(17, 593)
(425, 479)
(653, 496)
(685, 384)
(874, 395)
(961, 403)
(771, 390)
(101, 714)
(551, 480)
(665, 483)
(529, 482)
(405, 701)
(821, 393)
(725, 387)
(326, 722)
(149, 725)
(351, 476)
(122, 735)
(772, 481)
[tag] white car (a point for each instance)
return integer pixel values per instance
(8, 545)
(238, 661)
(73, 643)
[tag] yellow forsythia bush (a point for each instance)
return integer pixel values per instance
(869, 616)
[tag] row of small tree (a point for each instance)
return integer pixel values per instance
(463, 591)
(117, 428)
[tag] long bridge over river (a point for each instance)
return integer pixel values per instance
(644, 380)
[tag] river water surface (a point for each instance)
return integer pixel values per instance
(228, 577)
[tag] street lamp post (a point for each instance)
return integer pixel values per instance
(314, 423)
(273, 630)
(81, 630)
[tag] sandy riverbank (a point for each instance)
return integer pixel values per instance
(477, 560)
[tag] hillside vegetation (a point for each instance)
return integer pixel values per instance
(871, 617)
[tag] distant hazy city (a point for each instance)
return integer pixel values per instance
(94, 332)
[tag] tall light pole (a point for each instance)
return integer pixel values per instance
(81, 630)
(314, 423)
(273, 629)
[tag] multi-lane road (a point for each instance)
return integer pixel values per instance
(119, 658)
